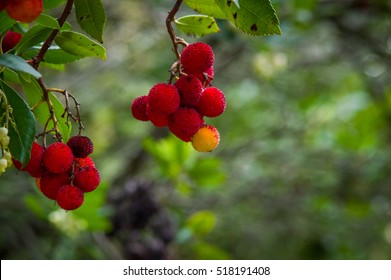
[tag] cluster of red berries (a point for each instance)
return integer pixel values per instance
(183, 105)
(22, 10)
(63, 172)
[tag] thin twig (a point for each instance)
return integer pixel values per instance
(67, 111)
(170, 18)
(52, 117)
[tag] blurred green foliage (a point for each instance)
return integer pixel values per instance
(303, 167)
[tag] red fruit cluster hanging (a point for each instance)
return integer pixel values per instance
(22, 10)
(64, 172)
(183, 105)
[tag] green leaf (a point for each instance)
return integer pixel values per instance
(199, 25)
(91, 17)
(34, 36)
(54, 55)
(34, 95)
(48, 21)
(206, 7)
(17, 63)
(253, 17)
(80, 45)
(48, 4)
(201, 223)
(21, 129)
(5, 21)
(236, 3)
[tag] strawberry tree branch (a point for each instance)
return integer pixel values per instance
(176, 41)
(48, 42)
(170, 18)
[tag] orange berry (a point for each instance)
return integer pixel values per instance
(206, 139)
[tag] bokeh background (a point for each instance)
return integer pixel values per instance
(303, 170)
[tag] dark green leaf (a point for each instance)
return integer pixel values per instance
(80, 45)
(253, 17)
(54, 55)
(199, 25)
(91, 17)
(206, 7)
(17, 63)
(34, 36)
(48, 21)
(21, 129)
(34, 95)
(5, 21)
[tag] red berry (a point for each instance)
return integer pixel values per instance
(163, 98)
(87, 179)
(34, 167)
(50, 183)
(212, 102)
(197, 58)
(190, 90)
(158, 119)
(81, 146)
(58, 158)
(139, 108)
(70, 197)
(184, 123)
(24, 10)
(10, 40)
(2, 4)
(82, 163)
(206, 78)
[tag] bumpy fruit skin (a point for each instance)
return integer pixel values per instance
(206, 139)
(23, 10)
(184, 123)
(139, 108)
(82, 163)
(70, 197)
(58, 158)
(190, 90)
(206, 81)
(81, 146)
(87, 179)
(163, 98)
(10, 40)
(35, 165)
(212, 102)
(197, 58)
(157, 119)
(50, 183)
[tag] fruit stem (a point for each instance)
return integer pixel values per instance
(170, 18)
